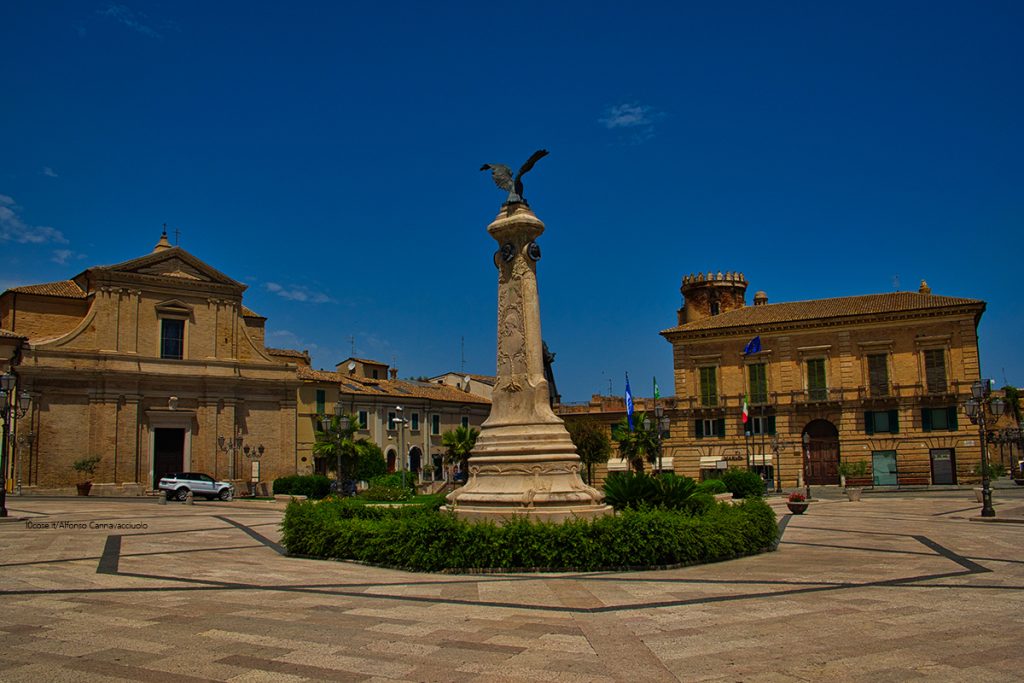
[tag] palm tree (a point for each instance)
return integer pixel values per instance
(459, 443)
(338, 447)
(638, 444)
(591, 441)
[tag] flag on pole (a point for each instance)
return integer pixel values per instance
(629, 404)
(753, 346)
(657, 392)
(746, 411)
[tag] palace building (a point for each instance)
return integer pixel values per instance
(877, 378)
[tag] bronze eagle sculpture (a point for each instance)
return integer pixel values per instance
(502, 176)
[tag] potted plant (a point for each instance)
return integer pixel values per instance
(87, 467)
(856, 469)
(797, 503)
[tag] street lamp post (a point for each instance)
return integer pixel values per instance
(336, 434)
(976, 408)
(11, 406)
(778, 445)
(400, 426)
(807, 459)
(662, 423)
(231, 448)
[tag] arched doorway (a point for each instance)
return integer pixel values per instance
(821, 452)
(392, 456)
(415, 456)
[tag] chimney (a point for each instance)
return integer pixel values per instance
(760, 299)
(924, 288)
(394, 373)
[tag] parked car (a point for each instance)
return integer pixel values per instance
(178, 485)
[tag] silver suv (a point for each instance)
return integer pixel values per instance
(178, 485)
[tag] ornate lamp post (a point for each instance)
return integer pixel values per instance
(343, 426)
(663, 423)
(10, 406)
(976, 408)
(400, 426)
(807, 460)
(231, 448)
(778, 445)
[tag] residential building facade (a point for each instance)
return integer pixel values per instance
(877, 378)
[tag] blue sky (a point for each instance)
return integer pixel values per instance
(326, 155)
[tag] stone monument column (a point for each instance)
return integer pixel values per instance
(524, 462)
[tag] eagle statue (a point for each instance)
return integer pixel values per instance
(502, 176)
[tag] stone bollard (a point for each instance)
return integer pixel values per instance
(188, 499)
(161, 499)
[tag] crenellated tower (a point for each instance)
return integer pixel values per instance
(708, 294)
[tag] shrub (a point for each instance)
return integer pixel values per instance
(668, 491)
(419, 538)
(628, 490)
(743, 483)
(712, 486)
(370, 461)
(394, 480)
(383, 492)
(313, 485)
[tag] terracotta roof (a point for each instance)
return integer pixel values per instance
(816, 309)
(392, 388)
(249, 313)
(68, 289)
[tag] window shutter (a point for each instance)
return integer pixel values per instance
(926, 419)
(721, 427)
(894, 421)
(771, 425)
(869, 422)
(699, 426)
(951, 418)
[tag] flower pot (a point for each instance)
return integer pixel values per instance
(84, 487)
(797, 508)
(853, 493)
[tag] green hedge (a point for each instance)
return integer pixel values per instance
(669, 491)
(313, 485)
(743, 483)
(422, 539)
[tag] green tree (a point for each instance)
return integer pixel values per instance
(1013, 402)
(638, 444)
(370, 461)
(459, 443)
(591, 441)
(338, 446)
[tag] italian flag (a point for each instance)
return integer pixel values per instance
(746, 411)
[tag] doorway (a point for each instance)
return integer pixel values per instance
(821, 453)
(168, 453)
(943, 466)
(883, 468)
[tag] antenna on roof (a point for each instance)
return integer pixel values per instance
(896, 282)
(352, 338)
(177, 236)
(463, 352)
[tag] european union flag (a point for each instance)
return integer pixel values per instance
(753, 346)
(629, 404)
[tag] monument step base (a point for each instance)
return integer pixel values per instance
(501, 514)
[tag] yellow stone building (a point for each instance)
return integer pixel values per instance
(877, 379)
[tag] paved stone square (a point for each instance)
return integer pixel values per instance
(894, 588)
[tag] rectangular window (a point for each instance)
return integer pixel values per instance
(758, 383)
(762, 425)
(817, 389)
(938, 419)
(878, 374)
(710, 427)
(364, 419)
(172, 338)
(709, 386)
(465, 422)
(881, 422)
(391, 421)
(435, 424)
(414, 421)
(321, 401)
(935, 370)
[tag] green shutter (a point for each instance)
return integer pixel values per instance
(951, 418)
(721, 428)
(894, 422)
(869, 422)
(771, 425)
(926, 419)
(699, 427)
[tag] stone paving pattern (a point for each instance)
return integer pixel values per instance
(894, 588)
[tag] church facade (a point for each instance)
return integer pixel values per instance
(153, 365)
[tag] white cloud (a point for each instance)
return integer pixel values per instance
(297, 293)
(136, 21)
(633, 118)
(63, 256)
(14, 229)
(49, 172)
